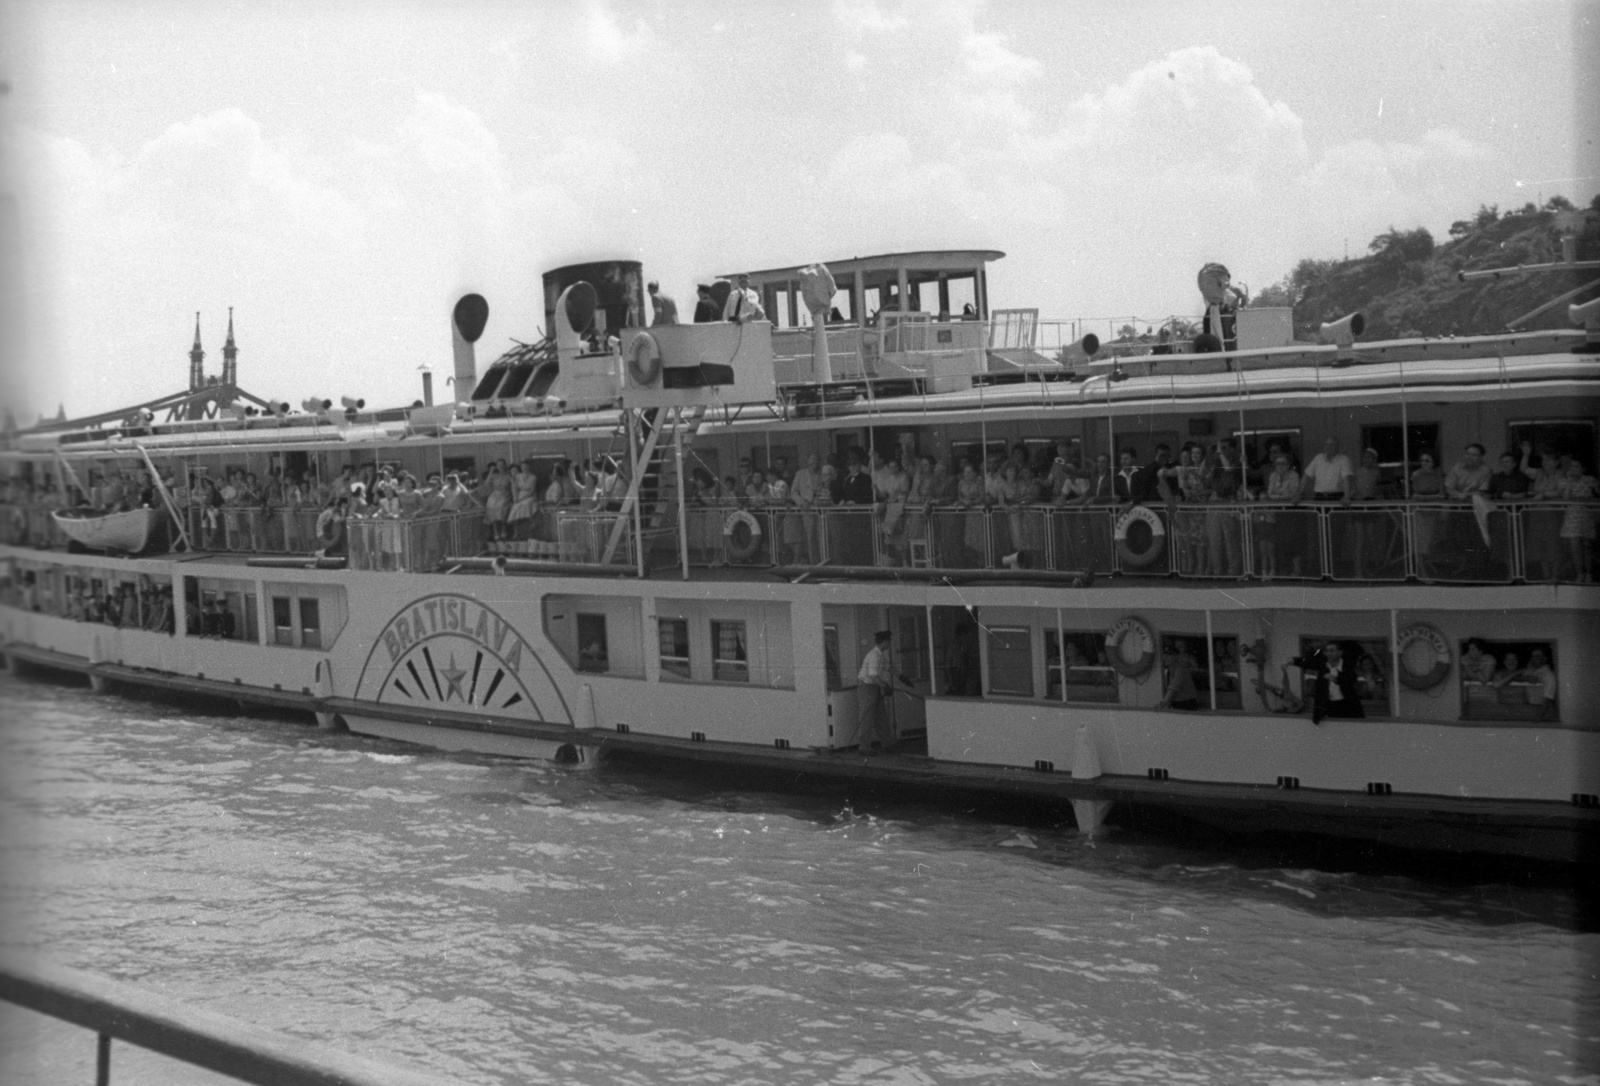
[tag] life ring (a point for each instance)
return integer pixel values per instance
(1116, 641)
(1131, 558)
(741, 533)
(644, 370)
(1438, 651)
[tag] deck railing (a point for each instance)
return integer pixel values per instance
(1440, 542)
(1386, 541)
(202, 1038)
(413, 544)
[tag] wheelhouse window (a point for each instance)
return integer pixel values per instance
(1507, 680)
(1011, 661)
(730, 660)
(673, 637)
(593, 654)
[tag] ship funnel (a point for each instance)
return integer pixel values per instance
(466, 325)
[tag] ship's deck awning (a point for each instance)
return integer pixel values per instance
(925, 264)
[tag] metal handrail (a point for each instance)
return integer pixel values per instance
(198, 1037)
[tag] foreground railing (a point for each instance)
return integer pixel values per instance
(202, 1038)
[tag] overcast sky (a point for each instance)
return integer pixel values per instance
(340, 172)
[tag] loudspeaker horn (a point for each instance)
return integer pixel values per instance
(1344, 330)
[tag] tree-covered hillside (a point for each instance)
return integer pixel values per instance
(1407, 285)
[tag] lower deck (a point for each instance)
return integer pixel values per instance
(1112, 693)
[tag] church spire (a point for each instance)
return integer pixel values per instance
(230, 356)
(197, 373)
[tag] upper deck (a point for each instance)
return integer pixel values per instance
(921, 367)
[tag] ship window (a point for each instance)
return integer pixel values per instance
(1385, 440)
(830, 656)
(1224, 661)
(251, 619)
(1011, 661)
(310, 624)
(674, 639)
(1225, 665)
(1087, 674)
(282, 621)
(974, 451)
(1572, 437)
(730, 660)
(1507, 680)
(1370, 657)
(1189, 647)
(592, 651)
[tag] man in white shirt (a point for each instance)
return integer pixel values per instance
(1330, 476)
(743, 305)
(875, 685)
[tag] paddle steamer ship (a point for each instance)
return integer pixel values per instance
(1037, 641)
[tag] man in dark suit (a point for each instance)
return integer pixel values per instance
(1333, 683)
(1147, 484)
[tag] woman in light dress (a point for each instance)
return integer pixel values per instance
(524, 501)
(1578, 523)
(971, 496)
(495, 493)
(1192, 476)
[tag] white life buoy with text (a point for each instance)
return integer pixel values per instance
(741, 534)
(1151, 551)
(1131, 646)
(1425, 657)
(644, 359)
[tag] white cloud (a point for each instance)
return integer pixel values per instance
(605, 36)
(866, 16)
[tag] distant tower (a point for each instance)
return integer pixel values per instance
(197, 373)
(230, 356)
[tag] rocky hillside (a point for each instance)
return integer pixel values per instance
(1407, 285)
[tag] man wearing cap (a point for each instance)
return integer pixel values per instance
(705, 307)
(876, 685)
(744, 305)
(666, 309)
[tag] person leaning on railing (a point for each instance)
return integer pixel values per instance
(1282, 487)
(1427, 485)
(1578, 522)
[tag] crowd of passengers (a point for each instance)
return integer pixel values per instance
(902, 487)
(128, 606)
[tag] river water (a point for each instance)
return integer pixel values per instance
(507, 922)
